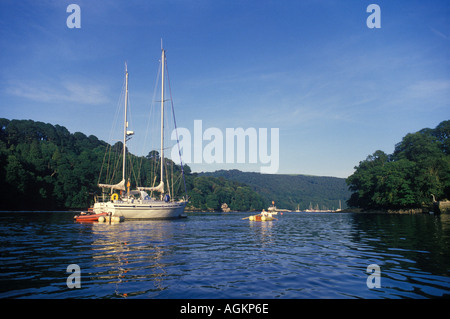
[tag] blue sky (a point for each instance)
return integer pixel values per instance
(337, 90)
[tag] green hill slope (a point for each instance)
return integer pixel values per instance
(288, 191)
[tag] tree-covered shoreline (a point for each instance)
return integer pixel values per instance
(45, 167)
(292, 191)
(414, 176)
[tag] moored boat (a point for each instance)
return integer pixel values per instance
(89, 217)
(138, 204)
(261, 218)
(264, 216)
(273, 209)
(100, 217)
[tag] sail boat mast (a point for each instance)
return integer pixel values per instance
(163, 62)
(125, 126)
(126, 133)
(160, 187)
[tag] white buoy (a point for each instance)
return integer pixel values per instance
(101, 219)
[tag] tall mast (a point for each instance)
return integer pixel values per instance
(126, 133)
(125, 126)
(163, 62)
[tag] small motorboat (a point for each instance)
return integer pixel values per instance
(89, 216)
(261, 217)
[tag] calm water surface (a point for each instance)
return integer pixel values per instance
(300, 255)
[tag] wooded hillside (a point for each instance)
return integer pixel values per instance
(418, 169)
(45, 167)
(289, 191)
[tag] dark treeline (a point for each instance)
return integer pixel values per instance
(418, 169)
(45, 167)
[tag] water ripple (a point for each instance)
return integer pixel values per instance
(223, 256)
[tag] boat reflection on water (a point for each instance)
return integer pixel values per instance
(263, 232)
(130, 253)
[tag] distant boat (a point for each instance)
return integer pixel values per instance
(137, 204)
(225, 208)
(273, 209)
(264, 216)
(261, 218)
(317, 210)
(340, 208)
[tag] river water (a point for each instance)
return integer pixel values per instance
(218, 255)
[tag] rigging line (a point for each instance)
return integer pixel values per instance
(117, 162)
(110, 171)
(132, 171)
(118, 109)
(167, 177)
(150, 118)
(113, 129)
(103, 163)
(176, 184)
(156, 162)
(167, 148)
(152, 103)
(176, 130)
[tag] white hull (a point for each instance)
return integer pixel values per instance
(142, 209)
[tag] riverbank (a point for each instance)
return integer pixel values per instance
(437, 208)
(388, 211)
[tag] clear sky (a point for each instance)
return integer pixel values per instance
(336, 89)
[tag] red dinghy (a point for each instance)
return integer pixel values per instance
(89, 217)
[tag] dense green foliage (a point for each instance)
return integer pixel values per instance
(418, 168)
(291, 191)
(209, 193)
(45, 167)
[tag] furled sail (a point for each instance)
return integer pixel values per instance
(159, 188)
(120, 186)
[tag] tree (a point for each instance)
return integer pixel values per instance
(153, 155)
(419, 167)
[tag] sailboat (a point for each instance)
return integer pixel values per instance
(137, 204)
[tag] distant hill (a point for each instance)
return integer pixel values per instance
(288, 191)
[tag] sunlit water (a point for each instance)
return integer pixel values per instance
(213, 255)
